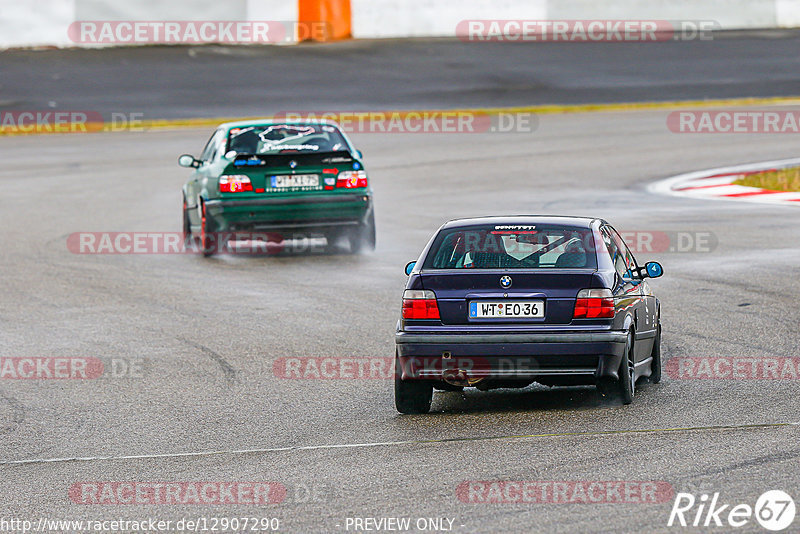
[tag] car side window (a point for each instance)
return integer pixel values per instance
(617, 257)
(211, 147)
(218, 145)
(207, 149)
(629, 260)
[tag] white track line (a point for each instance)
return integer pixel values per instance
(393, 443)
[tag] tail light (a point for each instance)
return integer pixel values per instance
(418, 304)
(234, 183)
(594, 304)
(352, 179)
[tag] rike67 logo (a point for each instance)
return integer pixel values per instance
(774, 510)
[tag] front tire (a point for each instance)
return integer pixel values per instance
(411, 396)
(627, 369)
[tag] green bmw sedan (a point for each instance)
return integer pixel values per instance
(278, 178)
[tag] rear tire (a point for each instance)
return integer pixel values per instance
(363, 239)
(411, 396)
(187, 226)
(206, 241)
(332, 241)
(627, 385)
(656, 364)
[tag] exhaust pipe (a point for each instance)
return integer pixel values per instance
(456, 377)
(460, 378)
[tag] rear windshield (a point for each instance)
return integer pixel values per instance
(274, 139)
(513, 247)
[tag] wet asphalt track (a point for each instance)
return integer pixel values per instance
(207, 332)
(221, 81)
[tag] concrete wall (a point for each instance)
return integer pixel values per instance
(39, 22)
(160, 10)
(729, 13)
(46, 22)
(426, 18)
(788, 13)
(396, 18)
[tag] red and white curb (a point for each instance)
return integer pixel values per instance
(717, 184)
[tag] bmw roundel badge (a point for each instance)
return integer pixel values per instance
(505, 282)
(293, 164)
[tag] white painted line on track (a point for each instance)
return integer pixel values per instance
(200, 454)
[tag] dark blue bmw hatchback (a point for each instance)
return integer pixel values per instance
(500, 302)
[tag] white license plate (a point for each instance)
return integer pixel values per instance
(493, 309)
(295, 180)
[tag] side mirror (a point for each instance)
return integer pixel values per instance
(188, 161)
(359, 154)
(652, 269)
(410, 267)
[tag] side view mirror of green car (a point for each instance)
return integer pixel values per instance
(188, 161)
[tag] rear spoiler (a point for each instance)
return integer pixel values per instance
(302, 158)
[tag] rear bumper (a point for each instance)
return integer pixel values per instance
(569, 338)
(306, 212)
(587, 355)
